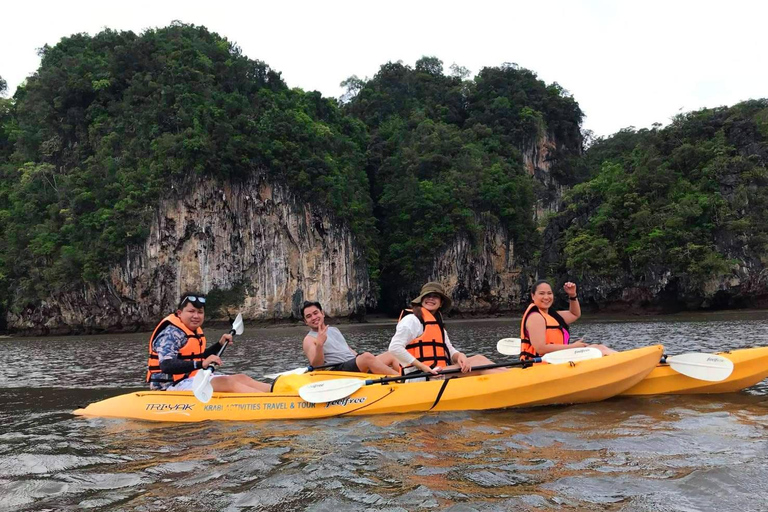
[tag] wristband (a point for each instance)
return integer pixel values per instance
(575, 297)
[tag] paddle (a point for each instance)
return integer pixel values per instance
(697, 365)
(299, 371)
(336, 389)
(201, 385)
(509, 346)
(512, 346)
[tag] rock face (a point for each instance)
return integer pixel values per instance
(256, 235)
(657, 288)
(484, 277)
(481, 278)
(536, 159)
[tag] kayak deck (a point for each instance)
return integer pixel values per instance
(750, 366)
(542, 384)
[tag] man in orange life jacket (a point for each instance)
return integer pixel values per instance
(325, 345)
(177, 352)
(421, 343)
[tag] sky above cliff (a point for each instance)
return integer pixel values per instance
(630, 63)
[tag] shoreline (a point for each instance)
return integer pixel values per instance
(375, 319)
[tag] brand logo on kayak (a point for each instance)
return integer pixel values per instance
(344, 401)
(169, 407)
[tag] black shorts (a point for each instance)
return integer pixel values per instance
(346, 366)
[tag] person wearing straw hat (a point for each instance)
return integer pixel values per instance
(421, 343)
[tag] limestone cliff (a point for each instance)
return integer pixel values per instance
(482, 278)
(220, 235)
(483, 275)
(538, 162)
(656, 288)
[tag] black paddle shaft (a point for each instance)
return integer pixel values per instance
(420, 375)
(221, 350)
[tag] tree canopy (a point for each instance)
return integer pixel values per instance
(410, 158)
(445, 151)
(97, 136)
(689, 199)
(109, 122)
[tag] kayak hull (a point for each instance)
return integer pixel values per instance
(750, 366)
(543, 384)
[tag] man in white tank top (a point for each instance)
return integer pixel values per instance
(326, 346)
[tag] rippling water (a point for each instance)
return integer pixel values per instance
(685, 453)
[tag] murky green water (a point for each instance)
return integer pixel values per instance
(684, 453)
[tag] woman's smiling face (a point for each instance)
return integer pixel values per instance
(432, 302)
(543, 296)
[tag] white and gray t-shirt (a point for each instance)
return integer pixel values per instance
(335, 349)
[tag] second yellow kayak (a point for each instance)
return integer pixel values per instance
(750, 366)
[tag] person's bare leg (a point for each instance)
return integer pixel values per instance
(367, 362)
(605, 350)
(390, 360)
(239, 383)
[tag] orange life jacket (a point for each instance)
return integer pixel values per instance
(556, 334)
(190, 351)
(429, 348)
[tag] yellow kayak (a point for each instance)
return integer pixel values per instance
(750, 366)
(542, 384)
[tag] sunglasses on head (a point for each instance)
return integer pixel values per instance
(198, 302)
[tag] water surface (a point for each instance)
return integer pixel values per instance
(684, 453)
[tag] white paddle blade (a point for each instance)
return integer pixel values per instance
(201, 386)
(237, 325)
(295, 371)
(329, 390)
(509, 346)
(697, 365)
(572, 355)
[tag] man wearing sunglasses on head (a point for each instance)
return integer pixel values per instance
(177, 351)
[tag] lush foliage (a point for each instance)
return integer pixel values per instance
(112, 123)
(109, 124)
(689, 199)
(413, 157)
(444, 152)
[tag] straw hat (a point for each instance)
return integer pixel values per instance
(433, 287)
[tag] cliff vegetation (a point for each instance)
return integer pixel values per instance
(412, 160)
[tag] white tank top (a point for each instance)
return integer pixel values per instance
(335, 348)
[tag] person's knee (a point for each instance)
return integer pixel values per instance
(223, 383)
(479, 359)
(366, 357)
(364, 361)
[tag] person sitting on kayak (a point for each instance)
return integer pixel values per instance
(421, 343)
(543, 331)
(325, 345)
(177, 351)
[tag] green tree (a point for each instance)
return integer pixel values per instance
(444, 152)
(95, 137)
(687, 200)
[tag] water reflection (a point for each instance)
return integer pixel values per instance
(658, 453)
